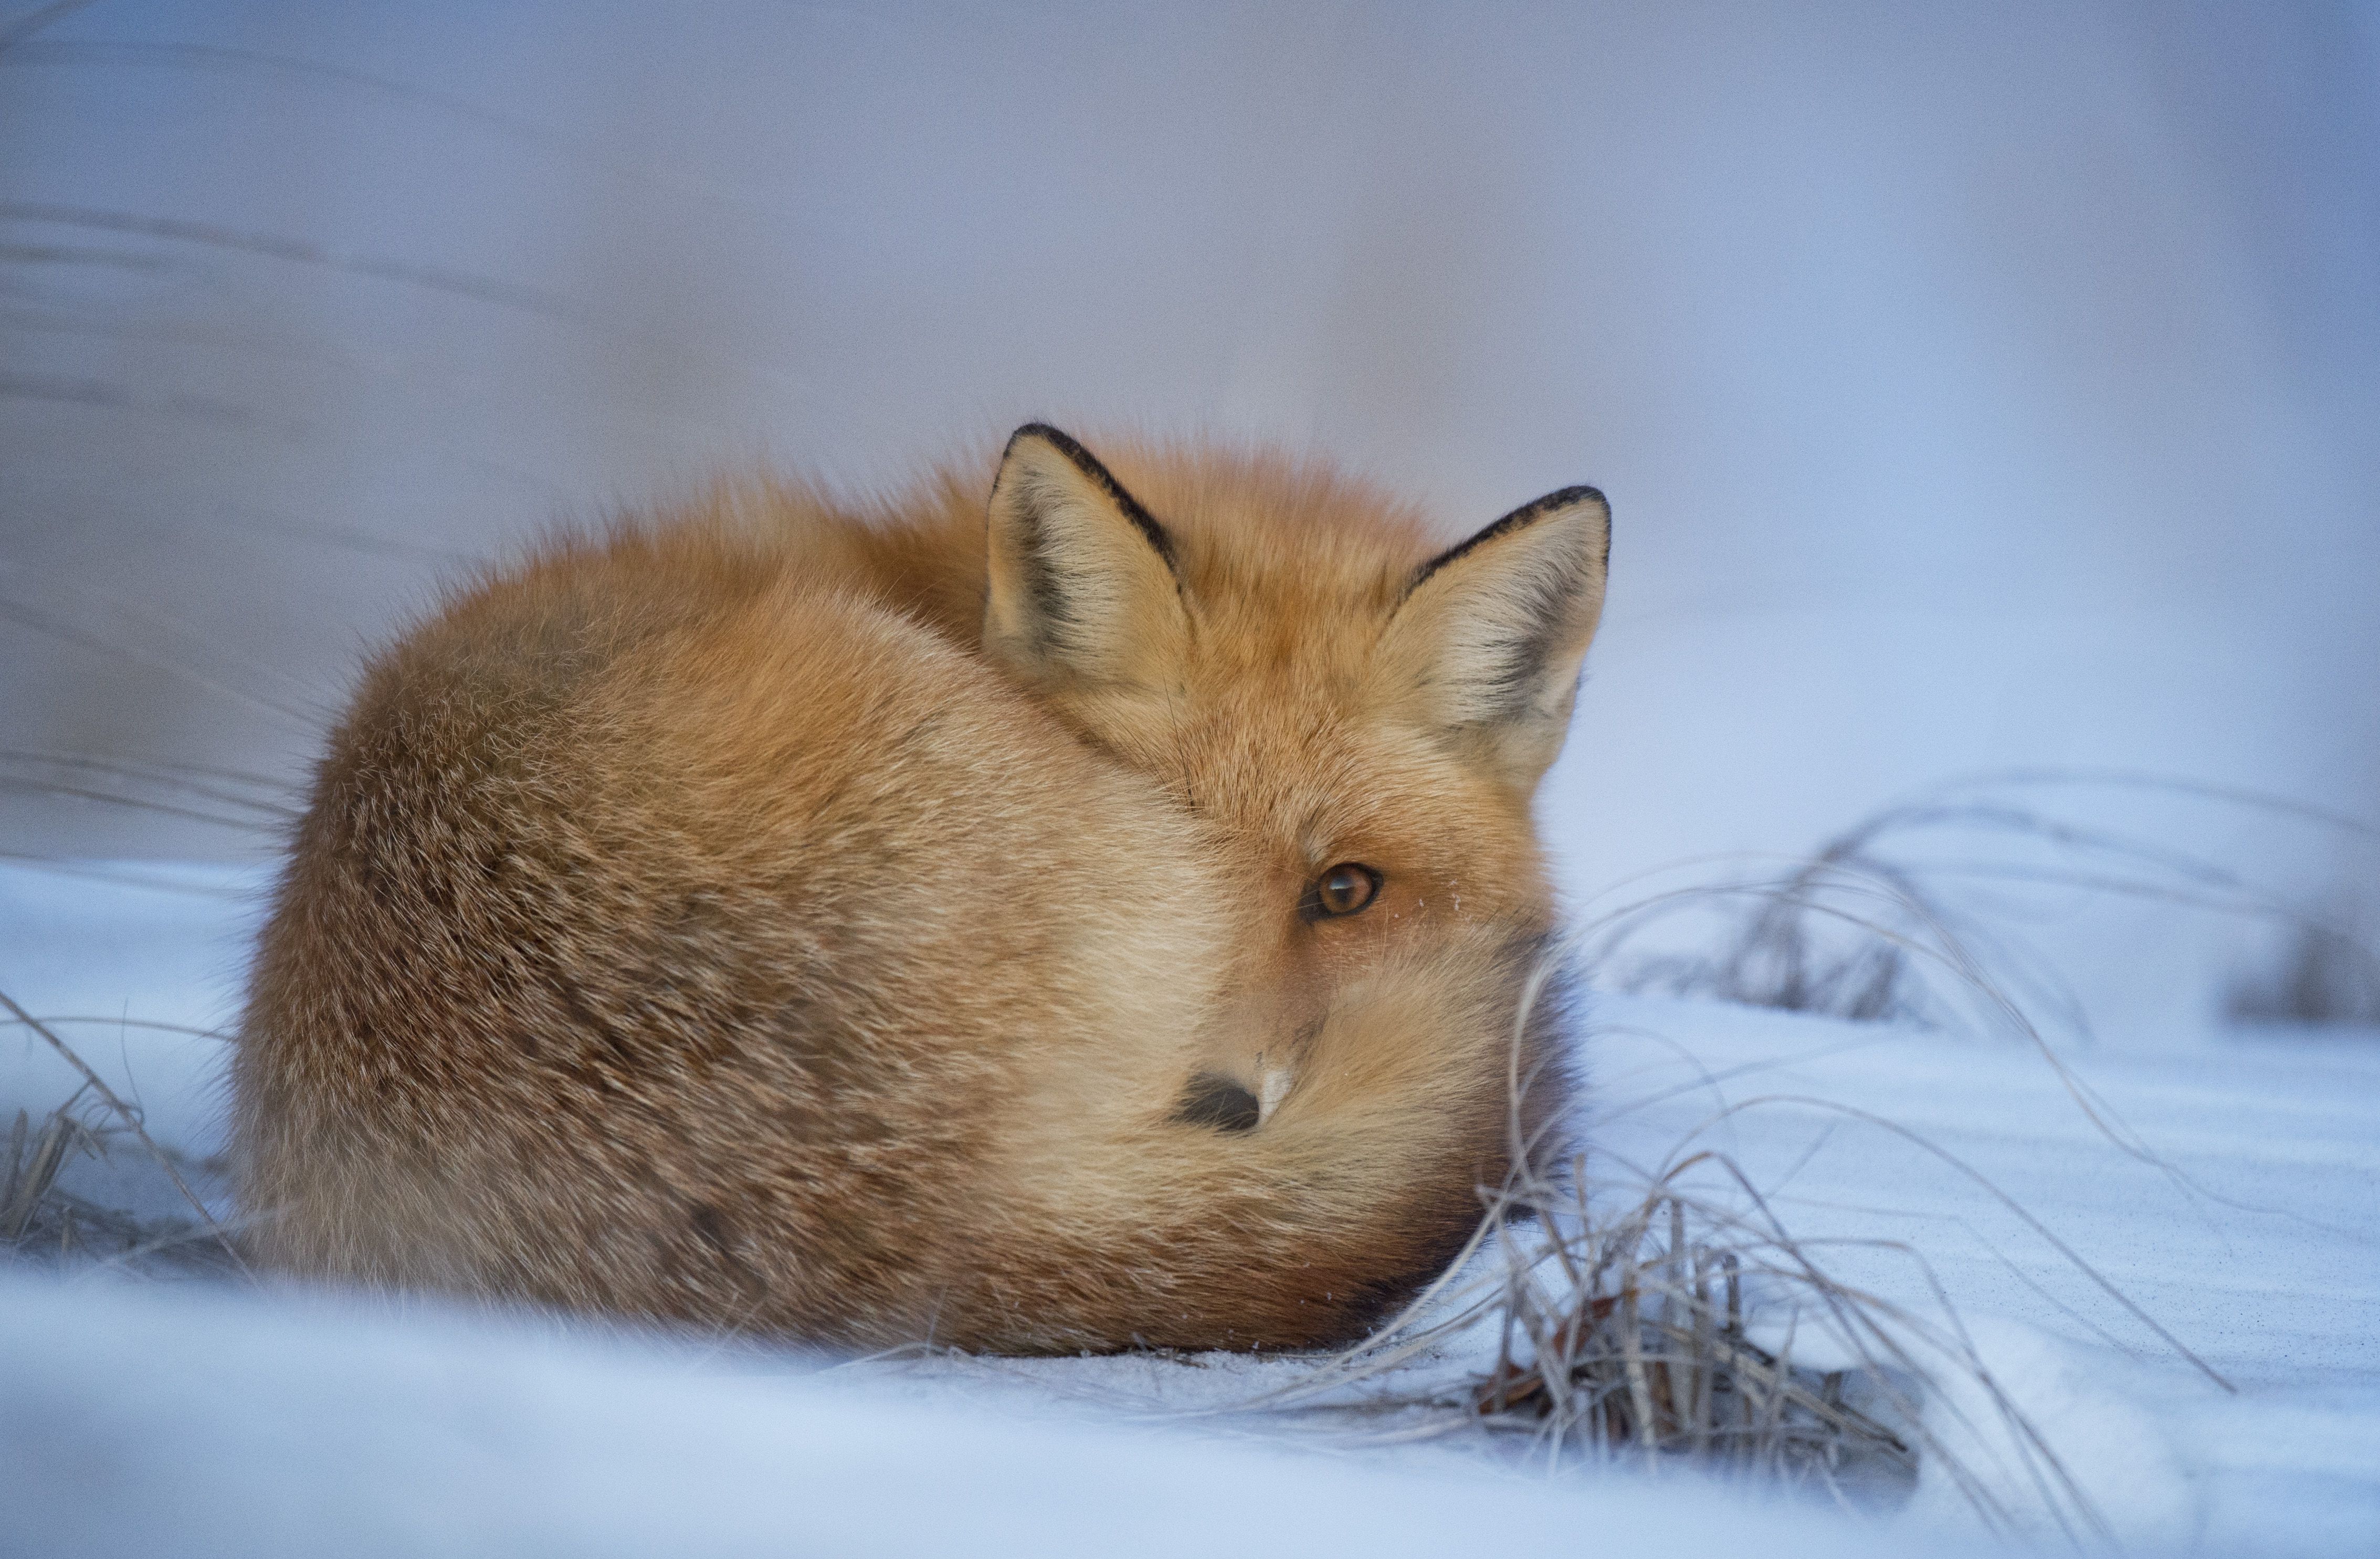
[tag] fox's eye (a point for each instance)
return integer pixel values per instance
(1343, 890)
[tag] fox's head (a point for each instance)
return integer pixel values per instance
(1292, 653)
(1360, 715)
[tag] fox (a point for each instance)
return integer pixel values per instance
(1104, 915)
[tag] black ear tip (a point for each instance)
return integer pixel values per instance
(1586, 495)
(1047, 435)
(1088, 464)
(1567, 498)
(1527, 515)
(1570, 498)
(1577, 497)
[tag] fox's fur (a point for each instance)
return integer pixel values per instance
(872, 926)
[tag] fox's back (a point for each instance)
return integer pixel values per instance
(663, 870)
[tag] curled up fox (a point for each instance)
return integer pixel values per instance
(1104, 915)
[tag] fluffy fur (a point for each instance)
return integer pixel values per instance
(870, 926)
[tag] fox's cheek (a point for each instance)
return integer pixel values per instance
(1439, 904)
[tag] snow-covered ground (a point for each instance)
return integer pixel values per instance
(2227, 1184)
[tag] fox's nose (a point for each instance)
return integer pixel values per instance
(1215, 1100)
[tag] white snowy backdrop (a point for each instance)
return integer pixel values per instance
(1978, 388)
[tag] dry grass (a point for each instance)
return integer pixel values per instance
(2325, 974)
(41, 1218)
(1913, 914)
(238, 810)
(1657, 1332)
(1669, 1322)
(1626, 1335)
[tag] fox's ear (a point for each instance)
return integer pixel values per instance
(1082, 592)
(1486, 646)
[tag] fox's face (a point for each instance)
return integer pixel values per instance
(1361, 719)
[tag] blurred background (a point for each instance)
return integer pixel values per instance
(1979, 388)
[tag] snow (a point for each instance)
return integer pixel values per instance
(210, 1424)
(2227, 1184)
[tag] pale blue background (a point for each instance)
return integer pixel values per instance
(1976, 385)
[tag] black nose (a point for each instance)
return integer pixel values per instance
(1219, 1103)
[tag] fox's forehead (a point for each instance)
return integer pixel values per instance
(1298, 747)
(1289, 571)
(1280, 551)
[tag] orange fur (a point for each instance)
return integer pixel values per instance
(813, 919)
